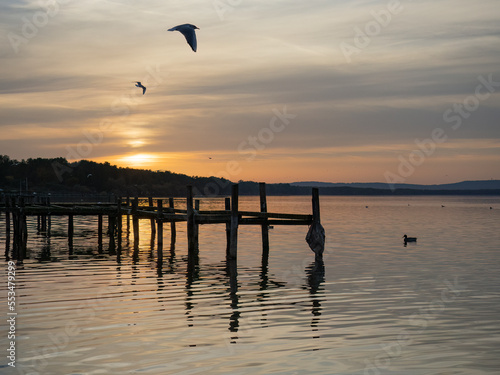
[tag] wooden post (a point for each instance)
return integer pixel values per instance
(173, 231)
(135, 222)
(22, 232)
(227, 207)
(196, 225)
(119, 223)
(7, 217)
(99, 233)
(15, 227)
(70, 231)
(159, 221)
(111, 231)
(128, 217)
(315, 205)
(49, 218)
(190, 219)
(233, 245)
(25, 236)
(7, 227)
(17, 235)
(153, 225)
(265, 225)
(44, 217)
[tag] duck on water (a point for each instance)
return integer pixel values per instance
(409, 239)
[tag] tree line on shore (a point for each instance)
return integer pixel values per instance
(44, 175)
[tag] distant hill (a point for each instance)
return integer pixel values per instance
(57, 175)
(464, 185)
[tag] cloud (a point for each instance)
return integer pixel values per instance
(79, 68)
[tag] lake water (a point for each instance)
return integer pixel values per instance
(373, 307)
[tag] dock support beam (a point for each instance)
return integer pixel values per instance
(159, 221)
(135, 223)
(70, 232)
(49, 219)
(153, 225)
(128, 218)
(111, 232)
(119, 223)
(196, 225)
(7, 227)
(227, 207)
(265, 225)
(173, 231)
(99, 233)
(233, 243)
(191, 226)
(315, 205)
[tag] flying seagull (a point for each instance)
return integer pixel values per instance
(188, 31)
(138, 84)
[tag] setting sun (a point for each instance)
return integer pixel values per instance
(138, 160)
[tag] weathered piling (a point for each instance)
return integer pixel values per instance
(227, 207)
(111, 233)
(196, 232)
(315, 205)
(128, 217)
(265, 224)
(99, 233)
(70, 231)
(119, 224)
(192, 245)
(153, 223)
(173, 231)
(159, 222)
(233, 243)
(7, 227)
(20, 232)
(43, 219)
(48, 218)
(135, 222)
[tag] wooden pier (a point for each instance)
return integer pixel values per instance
(17, 208)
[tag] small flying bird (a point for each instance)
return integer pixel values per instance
(188, 31)
(138, 84)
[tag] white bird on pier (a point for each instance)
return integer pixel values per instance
(188, 31)
(138, 84)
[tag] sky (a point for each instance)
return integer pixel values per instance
(278, 91)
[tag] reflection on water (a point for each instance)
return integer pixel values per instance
(370, 306)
